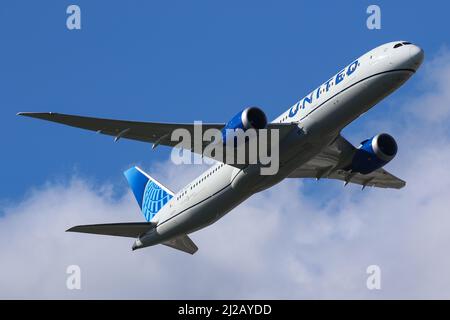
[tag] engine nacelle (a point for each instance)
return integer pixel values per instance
(249, 118)
(374, 153)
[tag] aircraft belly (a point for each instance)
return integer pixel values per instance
(216, 207)
(203, 213)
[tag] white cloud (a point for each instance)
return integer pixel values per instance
(283, 243)
(432, 103)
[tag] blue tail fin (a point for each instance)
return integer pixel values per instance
(149, 193)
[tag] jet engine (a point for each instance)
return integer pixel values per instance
(249, 118)
(374, 153)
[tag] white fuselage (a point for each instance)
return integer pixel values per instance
(320, 117)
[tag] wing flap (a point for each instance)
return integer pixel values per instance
(130, 229)
(379, 178)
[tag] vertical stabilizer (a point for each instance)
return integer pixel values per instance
(149, 193)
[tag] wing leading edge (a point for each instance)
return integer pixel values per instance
(153, 132)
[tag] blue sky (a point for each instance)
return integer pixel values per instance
(180, 61)
(171, 61)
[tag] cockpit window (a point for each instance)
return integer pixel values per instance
(398, 45)
(406, 43)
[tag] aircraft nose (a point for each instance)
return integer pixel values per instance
(416, 55)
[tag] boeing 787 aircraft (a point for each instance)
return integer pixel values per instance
(310, 146)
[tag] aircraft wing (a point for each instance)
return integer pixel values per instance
(329, 163)
(129, 229)
(152, 132)
(183, 243)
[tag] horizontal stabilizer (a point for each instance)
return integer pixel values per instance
(183, 243)
(130, 229)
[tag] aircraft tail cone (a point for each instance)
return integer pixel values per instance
(136, 245)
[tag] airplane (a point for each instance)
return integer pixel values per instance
(310, 146)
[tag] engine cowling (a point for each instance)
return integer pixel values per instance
(374, 153)
(249, 118)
